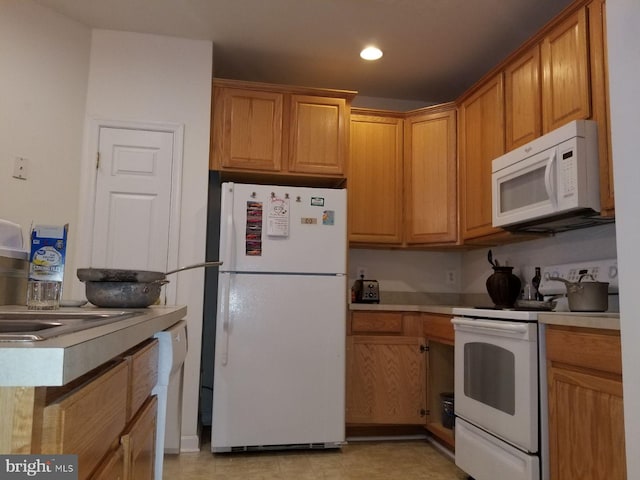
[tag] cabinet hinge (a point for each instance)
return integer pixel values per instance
(424, 348)
(97, 160)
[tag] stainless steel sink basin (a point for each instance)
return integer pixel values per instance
(35, 325)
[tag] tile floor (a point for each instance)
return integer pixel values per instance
(391, 460)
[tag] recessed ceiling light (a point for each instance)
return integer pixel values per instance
(371, 53)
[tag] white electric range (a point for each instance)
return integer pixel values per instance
(501, 383)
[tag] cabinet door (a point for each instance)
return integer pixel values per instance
(481, 140)
(112, 468)
(386, 380)
(318, 135)
(430, 178)
(247, 130)
(586, 420)
(375, 179)
(139, 441)
(600, 101)
(87, 420)
(565, 73)
(586, 426)
(522, 86)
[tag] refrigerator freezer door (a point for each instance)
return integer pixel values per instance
(279, 362)
(267, 228)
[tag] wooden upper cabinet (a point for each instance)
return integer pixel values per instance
(430, 177)
(318, 136)
(279, 130)
(375, 179)
(481, 139)
(565, 72)
(247, 129)
(522, 85)
(600, 101)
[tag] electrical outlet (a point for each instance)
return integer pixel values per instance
(451, 277)
(20, 168)
(362, 272)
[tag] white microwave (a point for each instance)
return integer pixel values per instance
(550, 184)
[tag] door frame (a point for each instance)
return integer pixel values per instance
(87, 196)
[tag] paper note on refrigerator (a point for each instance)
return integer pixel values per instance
(278, 217)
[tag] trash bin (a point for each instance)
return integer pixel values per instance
(448, 417)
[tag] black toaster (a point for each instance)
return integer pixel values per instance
(365, 291)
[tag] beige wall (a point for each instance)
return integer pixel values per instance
(44, 60)
(150, 78)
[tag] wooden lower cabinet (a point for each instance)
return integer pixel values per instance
(398, 365)
(387, 380)
(112, 468)
(106, 417)
(139, 441)
(586, 420)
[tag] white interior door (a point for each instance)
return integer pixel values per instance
(133, 199)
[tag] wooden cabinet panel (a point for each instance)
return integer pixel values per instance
(430, 177)
(600, 101)
(522, 84)
(375, 179)
(112, 468)
(586, 426)
(376, 322)
(143, 374)
(586, 418)
(565, 73)
(318, 135)
(481, 139)
(247, 129)
(83, 420)
(139, 442)
(438, 327)
(386, 380)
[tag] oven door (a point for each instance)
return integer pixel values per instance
(496, 378)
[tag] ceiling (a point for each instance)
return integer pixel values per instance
(433, 49)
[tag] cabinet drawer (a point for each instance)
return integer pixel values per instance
(585, 347)
(439, 327)
(139, 443)
(376, 322)
(143, 374)
(87, 420)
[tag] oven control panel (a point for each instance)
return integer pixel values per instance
(594, 270)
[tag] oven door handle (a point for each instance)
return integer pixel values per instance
(486, 325)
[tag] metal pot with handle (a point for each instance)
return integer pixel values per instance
(120, 288)
(590, 296)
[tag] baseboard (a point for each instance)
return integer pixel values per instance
(190, 443)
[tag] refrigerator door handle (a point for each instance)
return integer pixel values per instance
(227, 209)
(226, 318)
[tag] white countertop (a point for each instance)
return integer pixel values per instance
(59, 360)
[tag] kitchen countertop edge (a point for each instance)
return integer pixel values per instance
(62, 359)
(387, 307)
(604, 320)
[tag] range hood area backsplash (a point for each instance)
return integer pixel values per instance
(442, 277)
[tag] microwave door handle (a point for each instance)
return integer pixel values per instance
(548, 185)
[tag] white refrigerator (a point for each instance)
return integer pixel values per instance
(279, 372)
